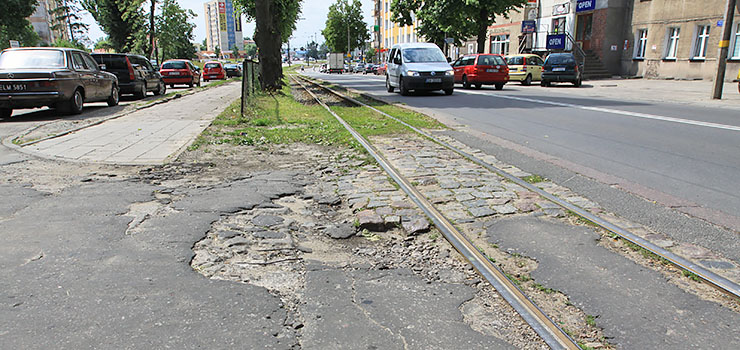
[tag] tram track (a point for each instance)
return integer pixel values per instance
(551, 334)
(720, 283)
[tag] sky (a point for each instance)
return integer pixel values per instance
(313, 20)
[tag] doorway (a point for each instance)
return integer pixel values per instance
(583, 30)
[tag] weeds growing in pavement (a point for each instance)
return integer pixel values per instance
(533, 179)
(591, 320)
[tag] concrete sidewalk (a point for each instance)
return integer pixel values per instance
(147, 137)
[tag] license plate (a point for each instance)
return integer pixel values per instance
(558, 69)
(13, 87)
(174, 73)
(434, 80)
(492, 70)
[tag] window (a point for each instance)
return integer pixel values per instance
(641, 43)
(672, 47)
(500, 44)
(386, 6)
(78, 62)
(702, 39)
(558, 25)
(735, 53)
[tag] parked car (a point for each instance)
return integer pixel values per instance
(371, 68)
(481, 69)
(135, 73)
(180, 72)
(358, 68)
(418, 67)
(60, 78)
(524, 68)
(233, 70)
(323, 68)
(213, 70)
(381, 69)
(561, 67)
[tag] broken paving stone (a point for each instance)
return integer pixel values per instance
(505, 209)
(223, 235)
(340, 231)
(464, 197)
(714, 264)
(402, 205)
(547, 205)
(480, 212)
(481, 194)
(415, 225)
(267, 220)
(236, 241)
(392, 220)
(370, 220)
(475, 203)
(469, 184)
(376, 204)
(526, 206)
(554, 212)
(449, 184)
(383, 211)
(358, 203)
(328, 199)
(426, 181)
(268, 234)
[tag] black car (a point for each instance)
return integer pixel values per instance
(135, 73)
(371, 68)
(233, 70)
(561, 67)
(56, 77)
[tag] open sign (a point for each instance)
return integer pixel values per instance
(556, 41)
(585, 5)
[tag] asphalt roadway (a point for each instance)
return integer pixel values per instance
(683, 157)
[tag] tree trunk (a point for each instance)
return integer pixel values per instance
(152, 53)
(269, 41)
(482, 30)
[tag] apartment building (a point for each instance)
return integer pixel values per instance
(223, 26)
(43, 22)
(679, 39)
(392, 33)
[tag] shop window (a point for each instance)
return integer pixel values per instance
(558, 25)
(672, 47)
(735, 53)
(700, 45)
(500, 44)
(641, 43)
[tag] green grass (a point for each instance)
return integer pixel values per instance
(591, 320)
(533, 179)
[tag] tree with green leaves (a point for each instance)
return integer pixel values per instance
(175, 31)
(370, 54)
(204, 45)
(345, 26)
(251, 50)
(67, 43)
(312, 50)
(276, 21)
(122, 20)
(104, 44)
(67, 19)
(217, 51)
(454, 19)
(235, 50)
(14, 24)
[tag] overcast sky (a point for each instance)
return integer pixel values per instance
(310, 27)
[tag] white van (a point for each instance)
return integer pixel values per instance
(418, 67)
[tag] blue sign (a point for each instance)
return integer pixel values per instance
(528, 27)
(720, 23)
(585, 5)
(556, 41)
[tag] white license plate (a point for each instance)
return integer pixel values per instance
(434, 80)
(558, 69)
(13, 87)
(174, 73)
(492, 70)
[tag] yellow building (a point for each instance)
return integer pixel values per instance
(391, 33)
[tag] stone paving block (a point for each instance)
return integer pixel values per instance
(505, 209)
(480, 212)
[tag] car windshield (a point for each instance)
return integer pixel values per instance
(211, 65)
(231, 66)
(174, 65)
(426, 54)
(516, 60)
(561, 59)
(490, 60)
(32, 59)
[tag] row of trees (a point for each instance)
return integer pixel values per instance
(454, 19)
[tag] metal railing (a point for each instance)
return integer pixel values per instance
(577, 51)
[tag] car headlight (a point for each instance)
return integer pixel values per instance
(450, 72)
(413, 73)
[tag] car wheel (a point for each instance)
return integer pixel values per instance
(466, 84)
(499, 86)
(478, 86)
(114, 96)
(544, 83)
(402, 87)
(172, 86)
(161, 89)
(448, 92)
(142, 92)
(5, 113)
(74, 104)
(388, 86)
(527, 81)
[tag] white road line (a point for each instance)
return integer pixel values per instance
(615, 111)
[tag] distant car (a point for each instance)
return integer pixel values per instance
(359, 68)
(381, 69)
(371, 68)
(323, 68)
(60, 78)
(481, 69)
(135, 73)
(418, 67)
(180, 72)
(524, 68)
(561, 67)
(233, 70)
(213, 70)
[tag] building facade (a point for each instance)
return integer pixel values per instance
(679, 39)
(43, 22)
(223, 26)
(392, 33)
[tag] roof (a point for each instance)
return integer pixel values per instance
(44, 48)
(523, 55)
(414, 45)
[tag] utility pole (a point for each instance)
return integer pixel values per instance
(724, 46)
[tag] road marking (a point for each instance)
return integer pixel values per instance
(616, 111)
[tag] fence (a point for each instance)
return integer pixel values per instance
(250, 81)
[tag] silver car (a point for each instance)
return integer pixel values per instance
(418, 67)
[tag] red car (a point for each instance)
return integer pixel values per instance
(481, 69)
(180, 72)
(213, 70)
